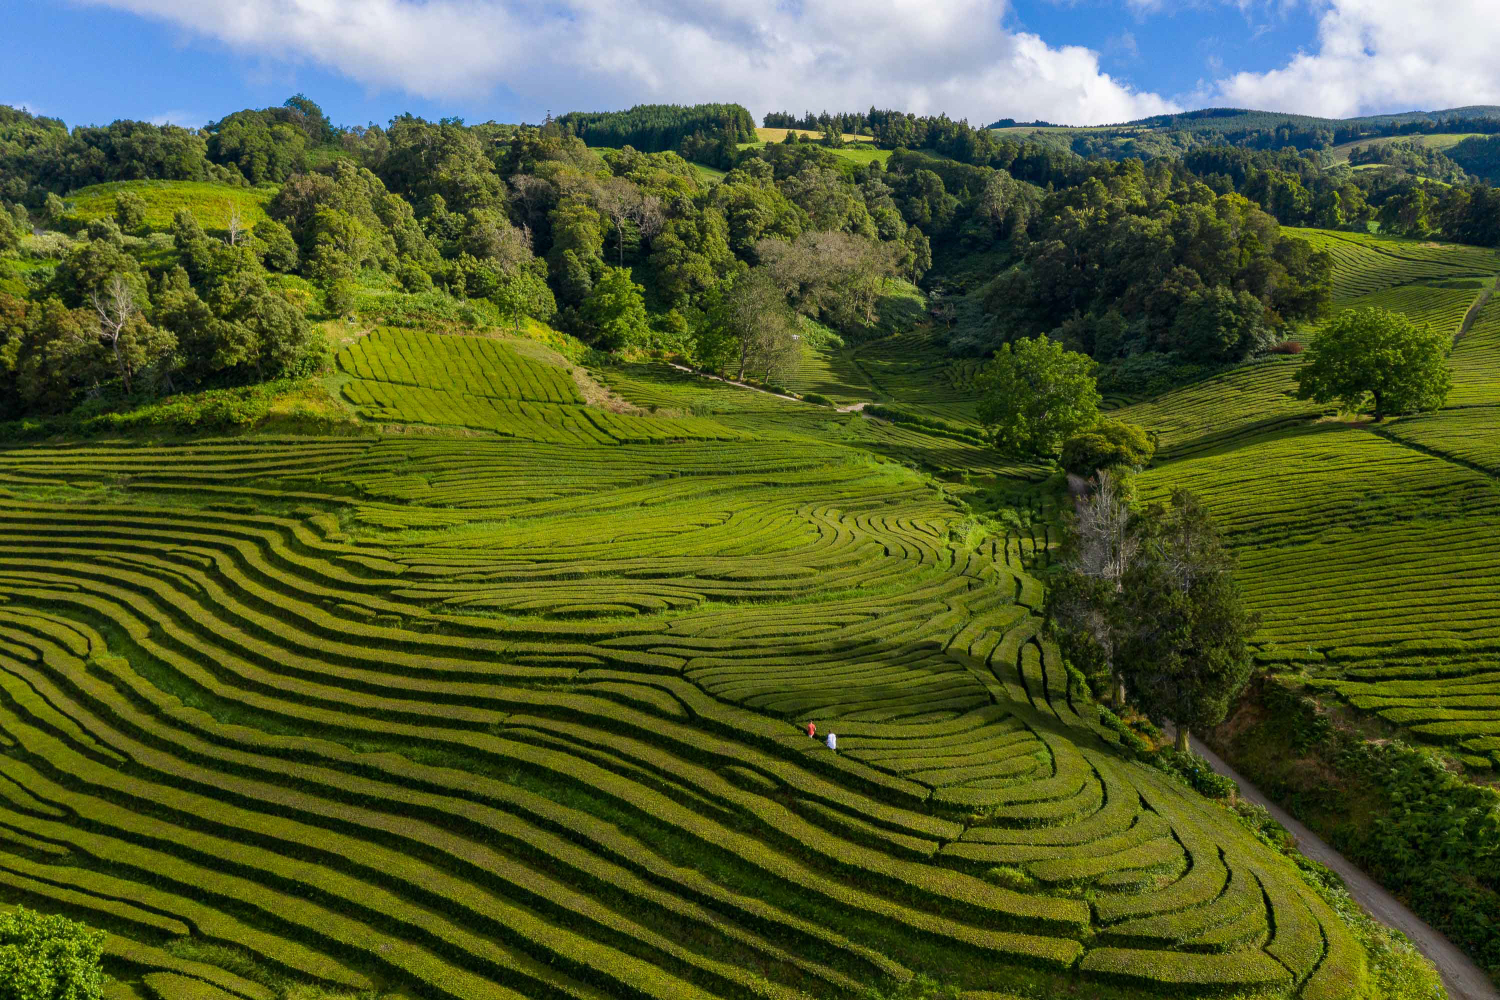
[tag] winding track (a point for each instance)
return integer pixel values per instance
(1463, 978)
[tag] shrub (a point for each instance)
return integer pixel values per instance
(49, 958)
(130, 210)
(1287, 347)
(1195, 771)
(1108, 444)
(816, 398)
(339, 297)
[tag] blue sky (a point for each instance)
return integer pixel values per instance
(1075, 61)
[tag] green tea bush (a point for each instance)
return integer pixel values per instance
(923, 422)
(49, 958)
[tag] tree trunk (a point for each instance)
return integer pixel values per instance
(1379, 414)
(120, 363)
(1119, 692)
(1182, 739)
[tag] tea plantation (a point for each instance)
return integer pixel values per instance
(506, 696)
(1370, 550)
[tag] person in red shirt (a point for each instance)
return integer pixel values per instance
(812, 730)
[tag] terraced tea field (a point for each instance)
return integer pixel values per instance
(466, 715)
(1365, 263)
(1371, 552)
(406, 376)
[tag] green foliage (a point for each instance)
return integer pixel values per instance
(1115, 270)
(615, 311)
(49, 958)
(1479, 155)
(1194, 771)
(1375, 354)
(338, 297)
(1034, 395)
(656, 127)
(1421, 830)
(1108, 444)
(10, 237)
(130, 210)
(1184, 656)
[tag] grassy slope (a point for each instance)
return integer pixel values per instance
(859, 150)
(210, 203)
(1438, 140)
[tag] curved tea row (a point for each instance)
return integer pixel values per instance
(431, 716)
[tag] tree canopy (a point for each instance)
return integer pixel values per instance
(1373, 354)
(1184, 652)
(49, 958)
(1034, 394)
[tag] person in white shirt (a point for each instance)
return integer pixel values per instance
(833, 741)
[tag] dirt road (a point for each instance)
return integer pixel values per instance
(1464, 979)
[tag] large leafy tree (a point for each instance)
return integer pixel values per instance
(1182, 650)
(615, 310)
(49, 958)
(1034, 395)
(749, 325)
(1374, 354)
(1109, 444)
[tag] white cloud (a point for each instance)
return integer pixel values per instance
(920, 55)
(1376, 56)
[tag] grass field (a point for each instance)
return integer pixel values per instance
(860, 149)
(458, 709)
(1437, 140)
(210, 204)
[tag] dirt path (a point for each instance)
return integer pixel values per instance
(1473, 313)
(1464, 979)
(730, 381)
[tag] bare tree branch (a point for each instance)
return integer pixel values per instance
(116, 308)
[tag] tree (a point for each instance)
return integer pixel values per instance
(10, 236)
(1034, 395)
(310, 118)
(1109, 444)
(234, 227)
(53, 351)
(49, 958)
(522, 291)
(274, 245)
(917, 260)
(1184, 652)
(1216, 325)
(615, 310)
(261, 328)
(1376, 354)
(339, 296)
(835, 276)
(1083, 592)
(130, 210)
(749, 326)
(118, 312)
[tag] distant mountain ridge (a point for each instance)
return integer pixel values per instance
(1233, 119)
